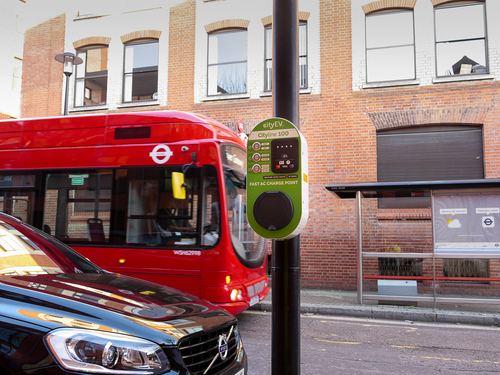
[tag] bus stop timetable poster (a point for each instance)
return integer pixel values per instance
(469, 221)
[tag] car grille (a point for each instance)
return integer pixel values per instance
(201, 352)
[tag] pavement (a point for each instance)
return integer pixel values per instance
(344, 303)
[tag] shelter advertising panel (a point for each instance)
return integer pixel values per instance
(466, 222)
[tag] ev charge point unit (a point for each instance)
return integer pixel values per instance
(277, 179)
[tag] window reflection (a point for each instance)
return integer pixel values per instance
(92, 76)
(20, 256)
(461, 39)
(141, 71)
(390, 48)
(249, 247)
(227, 62)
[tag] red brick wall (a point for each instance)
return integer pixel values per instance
(181, 56)
(339, 125)
(42, 81)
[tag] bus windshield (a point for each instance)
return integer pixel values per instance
(250, 248)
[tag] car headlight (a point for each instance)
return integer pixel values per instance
(105, 353)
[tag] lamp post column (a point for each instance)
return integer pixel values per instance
(66, 94)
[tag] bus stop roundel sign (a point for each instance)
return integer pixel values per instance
(277, 179)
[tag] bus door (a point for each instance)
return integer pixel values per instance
(17, 196)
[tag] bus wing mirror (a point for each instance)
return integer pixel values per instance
(178, 185)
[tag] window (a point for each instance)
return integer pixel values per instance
(250, 248)
(390, 46)
(132, 207)
(466, 268)
(408, 267)
(268, 59)
(227, 62)
(140, 80)
(303, 55)
(461, 39)
(17, 75)
(428, 153)
(268, 69)
(92, 76)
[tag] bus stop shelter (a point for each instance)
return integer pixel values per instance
(465, 217)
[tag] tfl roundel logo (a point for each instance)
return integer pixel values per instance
(488, 222)
(161, 154)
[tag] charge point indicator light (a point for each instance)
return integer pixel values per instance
(256, 146)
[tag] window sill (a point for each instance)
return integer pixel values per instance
(462, 77)
(89, 16)
(144, 103)
(89, 108)
(270, 93)
(225, 97)
(378, 85)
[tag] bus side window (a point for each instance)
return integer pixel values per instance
(78, 204)
(142, 205)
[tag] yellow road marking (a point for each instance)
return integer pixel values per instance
(340, 342)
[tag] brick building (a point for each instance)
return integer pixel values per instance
(390, 90)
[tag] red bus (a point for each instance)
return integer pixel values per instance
(108, 185)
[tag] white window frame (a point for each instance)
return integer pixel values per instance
(129, 72)
(82, 92)
(213, 87)
(475, 36)
(390, 52)
(303, 57)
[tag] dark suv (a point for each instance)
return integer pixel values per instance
(59, 314)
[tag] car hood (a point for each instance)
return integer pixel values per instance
(107, 302)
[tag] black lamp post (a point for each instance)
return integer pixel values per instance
(68, 59)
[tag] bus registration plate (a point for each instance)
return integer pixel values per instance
(254, 300)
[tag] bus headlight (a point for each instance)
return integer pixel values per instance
(105, 353)
(236, 295)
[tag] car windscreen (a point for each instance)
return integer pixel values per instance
(25, 250)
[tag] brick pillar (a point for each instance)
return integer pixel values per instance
(181, 56)
(43, 79)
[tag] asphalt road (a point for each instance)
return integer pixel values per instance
(342, 345)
